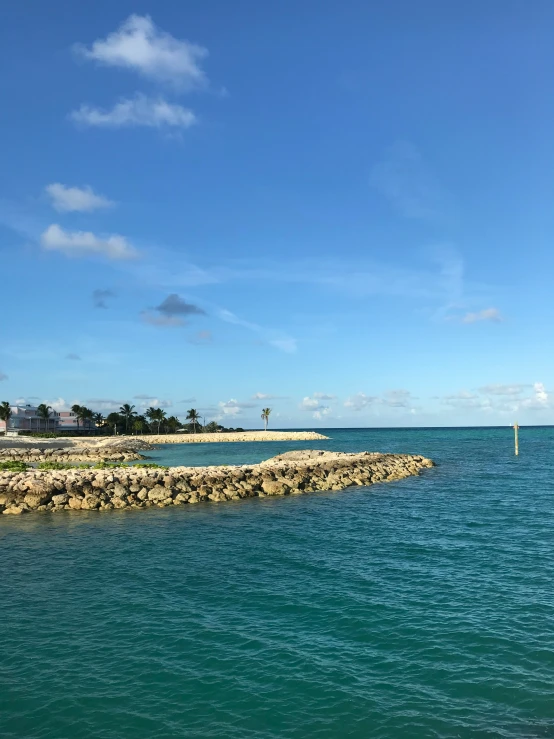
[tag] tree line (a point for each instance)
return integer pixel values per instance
(128, 420)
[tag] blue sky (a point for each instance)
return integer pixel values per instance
(340, 210)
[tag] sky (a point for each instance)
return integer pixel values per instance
(340, 210)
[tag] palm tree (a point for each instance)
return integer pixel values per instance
(193, 417)
(156, 415)
(265, 417)
(173, 424)
(5, 412)
(43, 411)
(160, 417)
(151, 414)
(87, 415)
(98, 419)
(76, 409)
(112, 420)
(128, 412)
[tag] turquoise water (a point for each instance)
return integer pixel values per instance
(422, 608)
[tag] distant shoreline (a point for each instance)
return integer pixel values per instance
(231, 436)
(127, 442)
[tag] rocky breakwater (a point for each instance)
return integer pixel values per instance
(70, 454)
(130, 487)
(227, 436)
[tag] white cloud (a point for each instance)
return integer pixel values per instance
(104, 404)
(488, 314)
(83, 199)
(137, 111)
(84, 243)
(233, 407)
(268, 396)
(140, 46)
(539, 401)
(359, 401)
(324, 396)
(309, 404)
(319, 415)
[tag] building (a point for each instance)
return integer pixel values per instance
(25, 418)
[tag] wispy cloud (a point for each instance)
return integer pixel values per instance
(73, 357)
(3, 377)
(498, 389)
(324, 396)
(83, 199)
(407, 181)
(86, 243)
(275, 338)
(99, 297)
(488, 314)
(137, 111)
(268, 396)
(139, 45)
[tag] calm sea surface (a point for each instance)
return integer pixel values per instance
(422, 608)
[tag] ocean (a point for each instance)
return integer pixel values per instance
(419, 608)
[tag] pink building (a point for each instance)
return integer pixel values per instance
(25, 418)
(68, 421)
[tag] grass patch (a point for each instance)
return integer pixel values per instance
(14, 466)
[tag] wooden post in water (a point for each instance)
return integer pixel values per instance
(516, 429)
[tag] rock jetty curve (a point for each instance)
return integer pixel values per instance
(297, 472)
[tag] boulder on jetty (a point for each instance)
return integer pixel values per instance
(292, 473)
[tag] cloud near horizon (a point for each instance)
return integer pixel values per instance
(82, 199)
(85, 243)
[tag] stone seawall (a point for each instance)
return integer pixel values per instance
(70, 454)
(129, 487)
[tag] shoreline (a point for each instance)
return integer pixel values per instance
(129, 441)
(291, 473)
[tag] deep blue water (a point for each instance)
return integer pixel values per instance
(422, 608)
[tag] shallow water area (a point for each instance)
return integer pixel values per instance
(420, 608)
